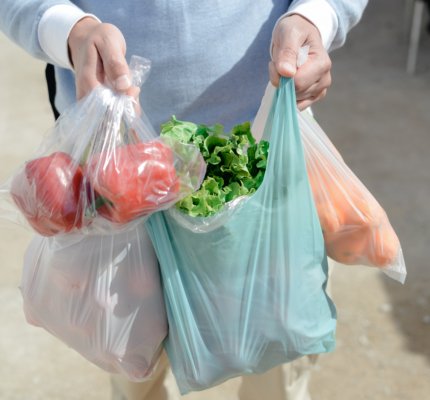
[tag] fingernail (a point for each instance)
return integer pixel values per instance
(122, 83)
(288, 67)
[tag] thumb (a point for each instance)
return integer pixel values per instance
(285, 56)
(287, 40)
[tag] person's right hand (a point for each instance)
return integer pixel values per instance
(97, 52)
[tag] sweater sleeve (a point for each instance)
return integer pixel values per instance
(19, 20)
(348, 13)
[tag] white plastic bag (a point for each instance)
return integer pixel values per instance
(100, 295)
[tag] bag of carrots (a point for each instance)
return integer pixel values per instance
(355, 227)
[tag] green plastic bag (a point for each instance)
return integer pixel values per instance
(245, 291)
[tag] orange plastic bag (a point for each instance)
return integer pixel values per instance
(356, 228)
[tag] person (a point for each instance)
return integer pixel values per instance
(210, 64)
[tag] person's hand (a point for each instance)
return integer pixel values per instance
(97, 52)
(313, 78)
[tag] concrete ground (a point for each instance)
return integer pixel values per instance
(379, 118)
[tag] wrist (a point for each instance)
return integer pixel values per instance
(321, 14)
(53, 31)
(298, 26)
(300, 19)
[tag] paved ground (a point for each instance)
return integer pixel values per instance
(379, 118)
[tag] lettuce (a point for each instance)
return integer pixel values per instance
(235, 163)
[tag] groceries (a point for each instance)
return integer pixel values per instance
(235, 164)
(102, 168)
(356, 228)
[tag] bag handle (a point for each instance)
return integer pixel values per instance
(286, 154)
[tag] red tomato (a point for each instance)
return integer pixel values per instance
(47, 192)
(134, 180)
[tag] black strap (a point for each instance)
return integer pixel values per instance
(52, 87)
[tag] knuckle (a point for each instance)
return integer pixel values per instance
(115, 65)
(300, 85)
(286, 53)
(108, 34)
(100, 31)
(106, 28)
(326, 63)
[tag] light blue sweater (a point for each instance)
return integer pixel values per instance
(209, 57)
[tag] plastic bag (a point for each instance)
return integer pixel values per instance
(100, 295)
(356, 228)
(102, 168)
(249, 294)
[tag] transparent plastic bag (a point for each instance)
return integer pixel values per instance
(248, 294)
(102, 168)
(100, 295)
(356, 228)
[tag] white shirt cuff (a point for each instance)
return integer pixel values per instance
(54, 29)
(321, 14)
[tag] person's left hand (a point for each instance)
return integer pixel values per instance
(313, 78)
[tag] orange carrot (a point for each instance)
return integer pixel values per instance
(383, 246)
(350, 217)
(347, 246)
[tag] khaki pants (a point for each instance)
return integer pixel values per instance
(285, 382)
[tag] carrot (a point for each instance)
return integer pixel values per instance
(355, 227)
(347, 246)
(328, 217)
(341, 204)
(384, 246)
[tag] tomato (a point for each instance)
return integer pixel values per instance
(47, 191)
(134, 180)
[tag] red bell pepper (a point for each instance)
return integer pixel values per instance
(133, 180)
(47, 191)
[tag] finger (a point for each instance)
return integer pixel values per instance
(273, 74)
(134, 92)
(86, 73)
(111, 47)
(314, 89)
(315, 70)
(303, 104)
